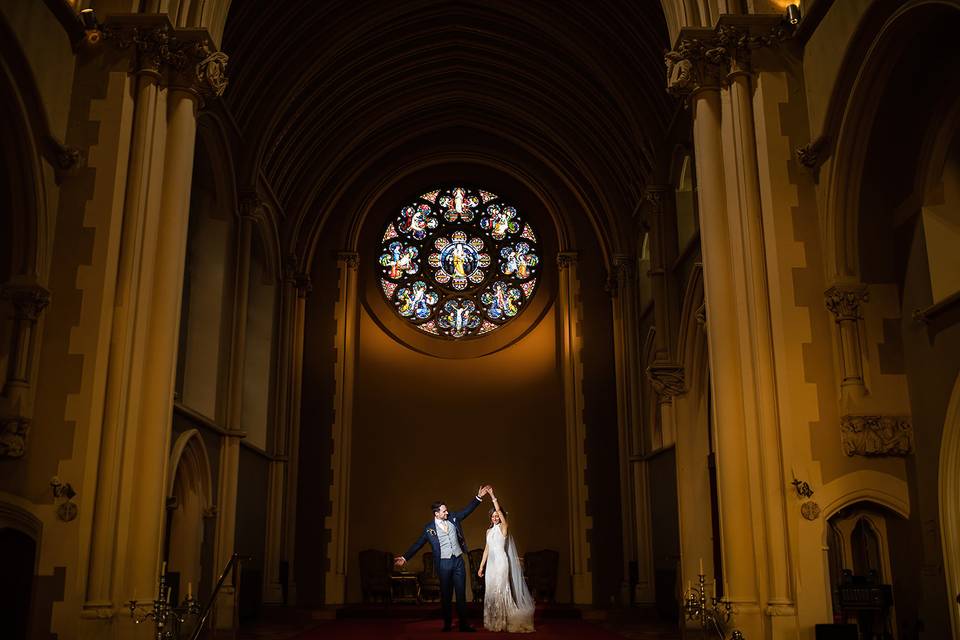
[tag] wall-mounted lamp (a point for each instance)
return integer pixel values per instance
(93, 34)
(67, 510)
(803, 488)
(89, 19)
(793, 14)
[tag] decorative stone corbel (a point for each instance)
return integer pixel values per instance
(814, 153)
(876, 436)
(667, 380)
(13, 436)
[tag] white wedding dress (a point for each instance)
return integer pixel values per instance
(507, 603)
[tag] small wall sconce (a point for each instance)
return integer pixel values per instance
(793, 14)
(93, 34)
(89, 19)
(803, 488)
(67, 510)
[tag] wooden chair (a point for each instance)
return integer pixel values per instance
(477, 584)
(540, 570)
(429, 580)
(375, 569)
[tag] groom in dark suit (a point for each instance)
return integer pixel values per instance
(445, 535)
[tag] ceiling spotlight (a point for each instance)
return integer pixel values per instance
(793, 14)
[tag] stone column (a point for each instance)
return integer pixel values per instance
(106, 583)
(303, 288)
(843, 301)
(345, 344)
(171, 70)
(281, 499)
(623, 292)
(29, 300)
(251, 208)
(661, 222)
(694, 73)
(571, 367)
(747, 236)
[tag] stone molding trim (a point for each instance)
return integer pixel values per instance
(876, 436)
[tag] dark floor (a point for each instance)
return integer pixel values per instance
(412, 622)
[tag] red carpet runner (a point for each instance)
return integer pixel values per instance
(394, 629)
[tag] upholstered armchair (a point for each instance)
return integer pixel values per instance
(375, 569)
(429, 580)
(477, 585)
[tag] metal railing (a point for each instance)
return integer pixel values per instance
(233, 567)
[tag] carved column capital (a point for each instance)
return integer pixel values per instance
(350, 259)
(656, 194)
(695, 63)
(184, 58)
(843, 301)
(667, 379)
(875, 436)
(13, 436)
(29, 300)
(303, 284)
(252, 206)
(703, 58)
(296, 276)
(566, 259)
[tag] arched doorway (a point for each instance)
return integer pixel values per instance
(189, 508)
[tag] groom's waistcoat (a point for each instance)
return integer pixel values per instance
(449, 546)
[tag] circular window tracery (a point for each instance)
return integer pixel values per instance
(458, 262)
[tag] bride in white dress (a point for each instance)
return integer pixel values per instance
(507, 603)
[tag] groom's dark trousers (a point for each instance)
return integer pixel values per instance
(452, 571)
(453, 575)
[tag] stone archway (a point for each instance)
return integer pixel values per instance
(189, 505)
(950, 503)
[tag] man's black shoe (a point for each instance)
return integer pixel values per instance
(447, 628)
(466, 627)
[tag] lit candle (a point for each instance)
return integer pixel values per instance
(714, 588)
(190, 590)
(163, 568)
(701, 566)
(689, 588)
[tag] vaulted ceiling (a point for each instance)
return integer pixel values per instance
(322, 89)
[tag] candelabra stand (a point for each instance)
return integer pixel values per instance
(166, 617)
(714, 614)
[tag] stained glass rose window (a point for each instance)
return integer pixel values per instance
(458, 262)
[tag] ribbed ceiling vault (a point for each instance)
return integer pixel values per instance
(321, 90)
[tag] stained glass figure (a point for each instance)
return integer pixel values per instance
(499, 221)
(518, 259)
(400, 259)
(501, 301)
(435, 262)
(417, 221)
(458, 316)
(459, 205)
(416, 301)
